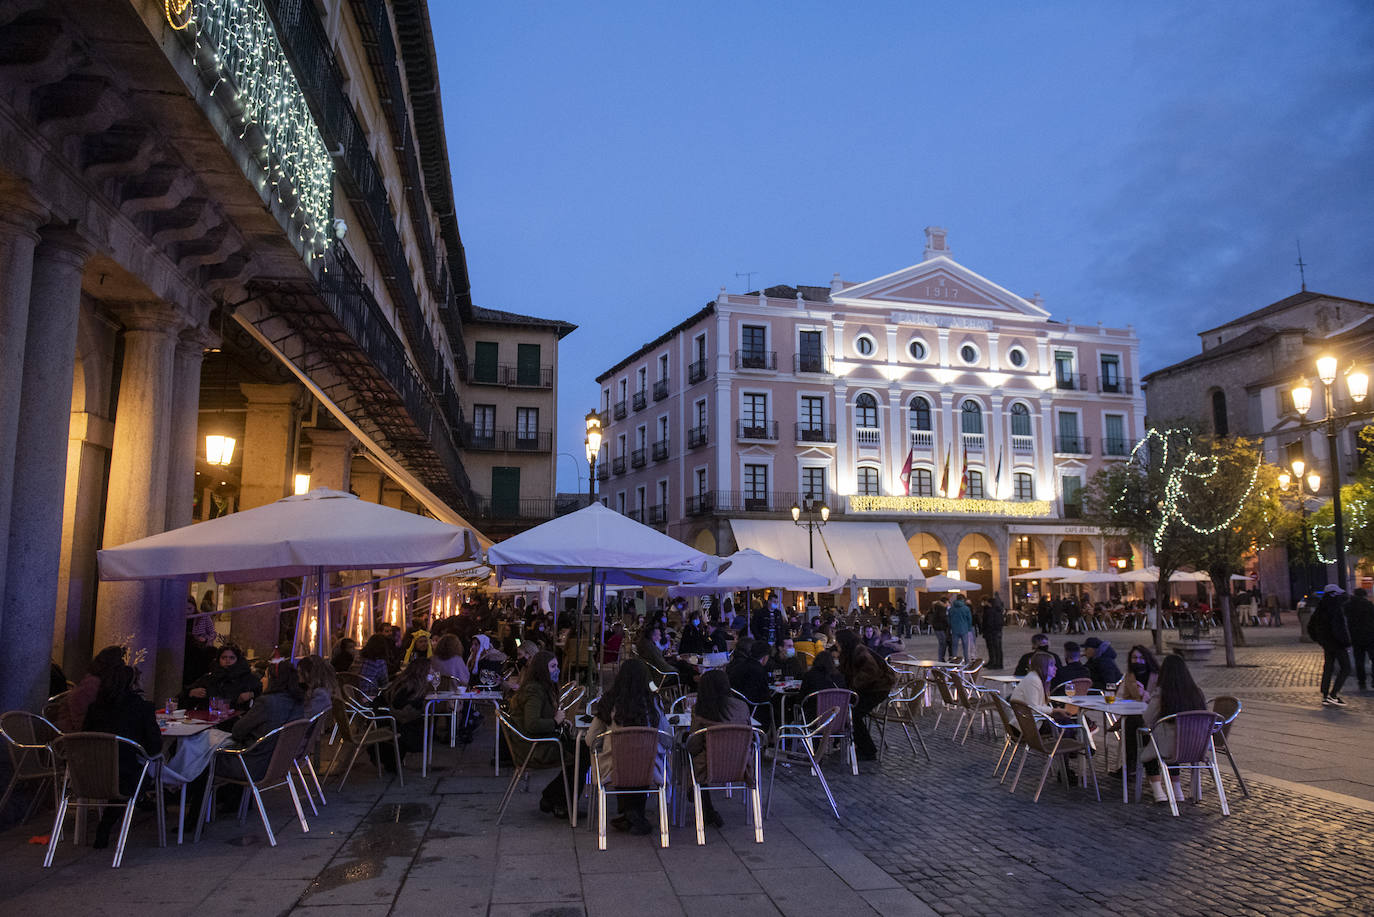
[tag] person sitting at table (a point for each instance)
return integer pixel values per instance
(716, 705)
(651, 647)
(610, 650)
(1177, 693)
(534, 710)
(628, 702)
(1031, 689)
(405, 697)
(824, 673)
(1142, 675)
(748, 674)
(786, 662)
(280, 703)
(486, 663)
(119, 707)
(1040, 643)
(84, 692)
(1101, 662)
(720, 637)
(419, 642)
(871, 679)
(373, 664)
(344, 655)
(448, 660)
(1073, 667)
(319, 685)
(231, 681)
(806, 643)
(693, 640)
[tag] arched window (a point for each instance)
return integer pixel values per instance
(920, 413)
(972, 414)
(1020, 420)
(868, 482)
(1219, 425)
(865, 410)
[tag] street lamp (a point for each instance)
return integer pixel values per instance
(593, 443)
(1314, 482)
(813, 510)
(1357, 385)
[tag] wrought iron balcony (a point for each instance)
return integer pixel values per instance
(701, 504)
(641, 401)
(757, 429)
(619, 410)
(637, 457)
(1115, 385)
(812, 363)
(618, 465)
(696, 372)
(756, 359)
(660, 450)
(697, 436)
(1070, 444)
(660, 389)
(815, 432)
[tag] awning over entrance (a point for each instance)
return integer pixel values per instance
(873, 553)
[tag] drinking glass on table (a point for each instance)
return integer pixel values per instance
(1069, 688)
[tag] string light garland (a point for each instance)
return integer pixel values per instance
(254, 82)
(1359, 518)
(950, 506)
(1192, 467)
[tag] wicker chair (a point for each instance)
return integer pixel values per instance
(27, 737)
(523, 765)
(838, 734)
(1228, 708)
(796, 743)
(1055, 747)
(52, 707)
(1193, 751)
(641, 766)
(732, 762)
(90, 779)
(287, 739)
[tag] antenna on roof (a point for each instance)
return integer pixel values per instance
(1300, 265)
(748, 279)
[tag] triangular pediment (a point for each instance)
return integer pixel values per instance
(939, 283)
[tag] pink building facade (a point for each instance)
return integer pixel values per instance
(762, 401)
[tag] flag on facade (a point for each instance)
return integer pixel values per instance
(963, 475)
(906, 472)
(944, 478)
(997, 479)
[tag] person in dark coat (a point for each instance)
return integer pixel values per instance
(786, 662)
(1040, 643)
(1359, 615)
(120, 708)
(938, 619)
(824, 673)
(994, 620)
(1330, 628)
(1072, 668)
(231, 680)
(1101, 662)
(693, 639)
(748, 675)
(279, 705)
(869, 678)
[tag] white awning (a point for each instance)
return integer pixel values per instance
(872, 553)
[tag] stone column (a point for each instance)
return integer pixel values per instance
(18, 236)
(183, 443)
(331, 459)
(40, 469)
(270, 432)
(136, 498)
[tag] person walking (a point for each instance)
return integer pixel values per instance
(961, 627)
(939, 624)
(1359, 616)
(1330, 629)
(994, 619)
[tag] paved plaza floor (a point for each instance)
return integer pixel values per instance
(916, 838)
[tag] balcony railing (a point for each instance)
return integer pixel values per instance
(619, 410)
(731, 501)
(512, 375)
(815, 432)
(973, 442)
(618, 465)
(1117, 447)
(533, 508)
(1073, 510)
(701, 504)
(1022, 445)
(868, 436)
(660, 389)
(637, 459)
(488, 440)
(696, 372)
(922, 439)
(1072, 444)
(660, 450)
(757, 429)
(756, 359)
(698, 436)
(811, 363)
(658, 514)
(603, 471)
(1071, 382)
(641, 400)
(1115, 386)
(636, 514)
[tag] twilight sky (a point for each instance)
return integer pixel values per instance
(1153, 164)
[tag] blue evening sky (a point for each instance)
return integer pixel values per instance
(1151, 164)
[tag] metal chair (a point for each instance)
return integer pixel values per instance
(1011, 737)
(949, 699)
(802, 736)
(309, 744)
(1194, 751)
(974, 702)
(641, 766)
(1228, 708)
(52, 707)
(732, 762)
(346, 713)
(523, 765)
(902, 703)
(1061, 748)
(684, 704)
(286, 742)
(838, 734)
(27, 736)
(90, 779)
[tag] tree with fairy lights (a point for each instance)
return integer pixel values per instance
(1192, 500)
(1357, 501)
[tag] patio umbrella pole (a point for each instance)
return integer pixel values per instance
(321, 611)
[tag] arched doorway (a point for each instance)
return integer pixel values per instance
(978, 564)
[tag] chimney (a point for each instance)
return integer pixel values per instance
(935, 242)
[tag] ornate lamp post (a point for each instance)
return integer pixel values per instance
(593, 443)
(1314, 481)
(817, 515)
(1357, 385)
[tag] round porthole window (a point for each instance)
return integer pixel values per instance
(864, 345)
(918, 350)
(1017, 357)
(968, 353)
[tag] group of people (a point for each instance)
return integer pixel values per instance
(956, 625)
(1340, 625)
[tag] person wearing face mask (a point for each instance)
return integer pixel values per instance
(1140, 683)
(787, 663)
(693, 640)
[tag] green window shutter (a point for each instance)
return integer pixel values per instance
(527, 364)
(484, 362)
(505, 492)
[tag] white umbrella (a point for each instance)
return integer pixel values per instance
(944, 583)
(748, 569)
(1151, 575)
(1051, 573)
(312, 533)
(1093, 576)
(1241, 578)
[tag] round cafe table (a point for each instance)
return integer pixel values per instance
(1117, 709)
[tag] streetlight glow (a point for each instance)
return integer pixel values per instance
(1326, 369)
(1302, 398)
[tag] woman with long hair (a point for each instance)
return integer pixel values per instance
(871, 679)
(1142, 675)
(319, 683)
(119, 707)
(372, 665)
(1177, 693)
(406, 699)
(232, 681)
(716, 705)
(535, 712)
(448, 659)
(630, 701)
